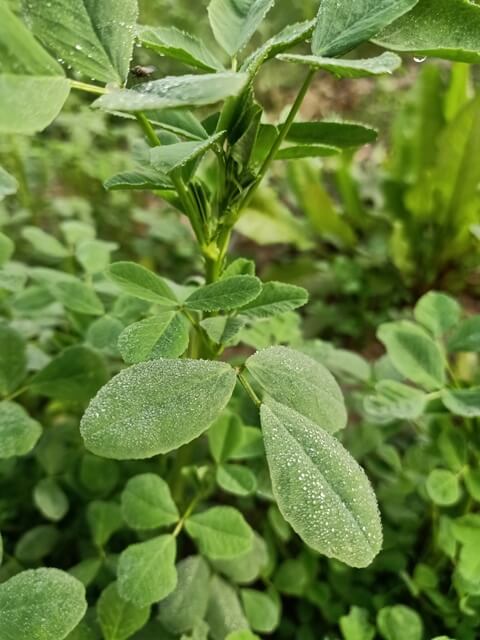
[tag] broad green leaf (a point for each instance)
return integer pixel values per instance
(18, 432)
(395, 401)
(50, 499)
(342, 68)
(225, 295)
(73, 376)
(187, 605)
(44, 243)
(346, 364)
(147, 503)
(13, 359)
(86, 571)
(103, 334)
(275, 298)
(8, 186)
(220, 532)
(118, 618)
(32, 84)
(142, 283)
(95, 37)
(239, 267)
(55, 603)
(174, 341)
(335, 134)
(295, 380)
(452, 445)
(399, 623)
(78, 297)
(472, 482)
(320, 489)
(223, 329)
(175, 92)
(146, 571)
(462, 402)
(437, 312)
(356, 625)
(440, 28)
(443, 487)
(247, 567)
(466, 336)
(342, 26)
(169, 158)
(289, 36)
(36, 544)
(413, 353)
(242, 635)
(156, 407)
(104, 519)
(224, 437)
(182, 46)
(235, 479)
(143, 179)
(94, 255)
(137, 341)
(7, 246)
(234, 22)
(97, 475)
(261, 609)
(224, 613)
(292, 577)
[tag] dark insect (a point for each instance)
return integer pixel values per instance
(143, 72)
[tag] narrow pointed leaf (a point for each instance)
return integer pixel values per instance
(301, 383)
(235, 21)
(168, 158)
(320, 489)
(156, 407)
(141, 179)
(175, 92)
(225, 295)
(440, 28)
(306, 151)
(182, 46)
(141, 283)
(342, 25)
(274, 299)
(336, 134)
(381, 65)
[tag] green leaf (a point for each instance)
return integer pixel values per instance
(239, 481)
(274, 299)
(13, 360)
(7, 247)
(86, 571)
(103, 334)
(356, 626)
(55, 603)
(224, 437)
(36, 544)
(399, 623)
(295, 380)
(320, 489)
(8, 186)
(44, 243)
(104, 519)
(466, 336)
(247, 567)
(437, 312)
(225, 295)
(147, 503)
(342, 26)
(462, 402)
(169, 158)
(234, 22)
(94, 255)
(224, 613)
(187, 605)
(262, 611)
(395, 401)
(472, 482)
(242, 635)
(306, 151)
(381, 65)
(119, 619)
(334, 134)
(146, 571)
(413, 353)
(50, 499)
(179, 45)
(223, 329)
(73, 376)
(156, 407)
(453, 446)
(441, 28)
(18, 432)
(175, 92)
(85, 35)
(137, 341)
(141, 179)
(32, 84)
(220, 532)
(443, 487)
(141, 283)
(78, 297)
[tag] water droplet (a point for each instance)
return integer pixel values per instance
(420, 59)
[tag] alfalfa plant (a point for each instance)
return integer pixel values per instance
(176, 388)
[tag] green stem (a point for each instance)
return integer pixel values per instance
(153, 139)
(248, 388)
(89, 88)
(186, 515)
